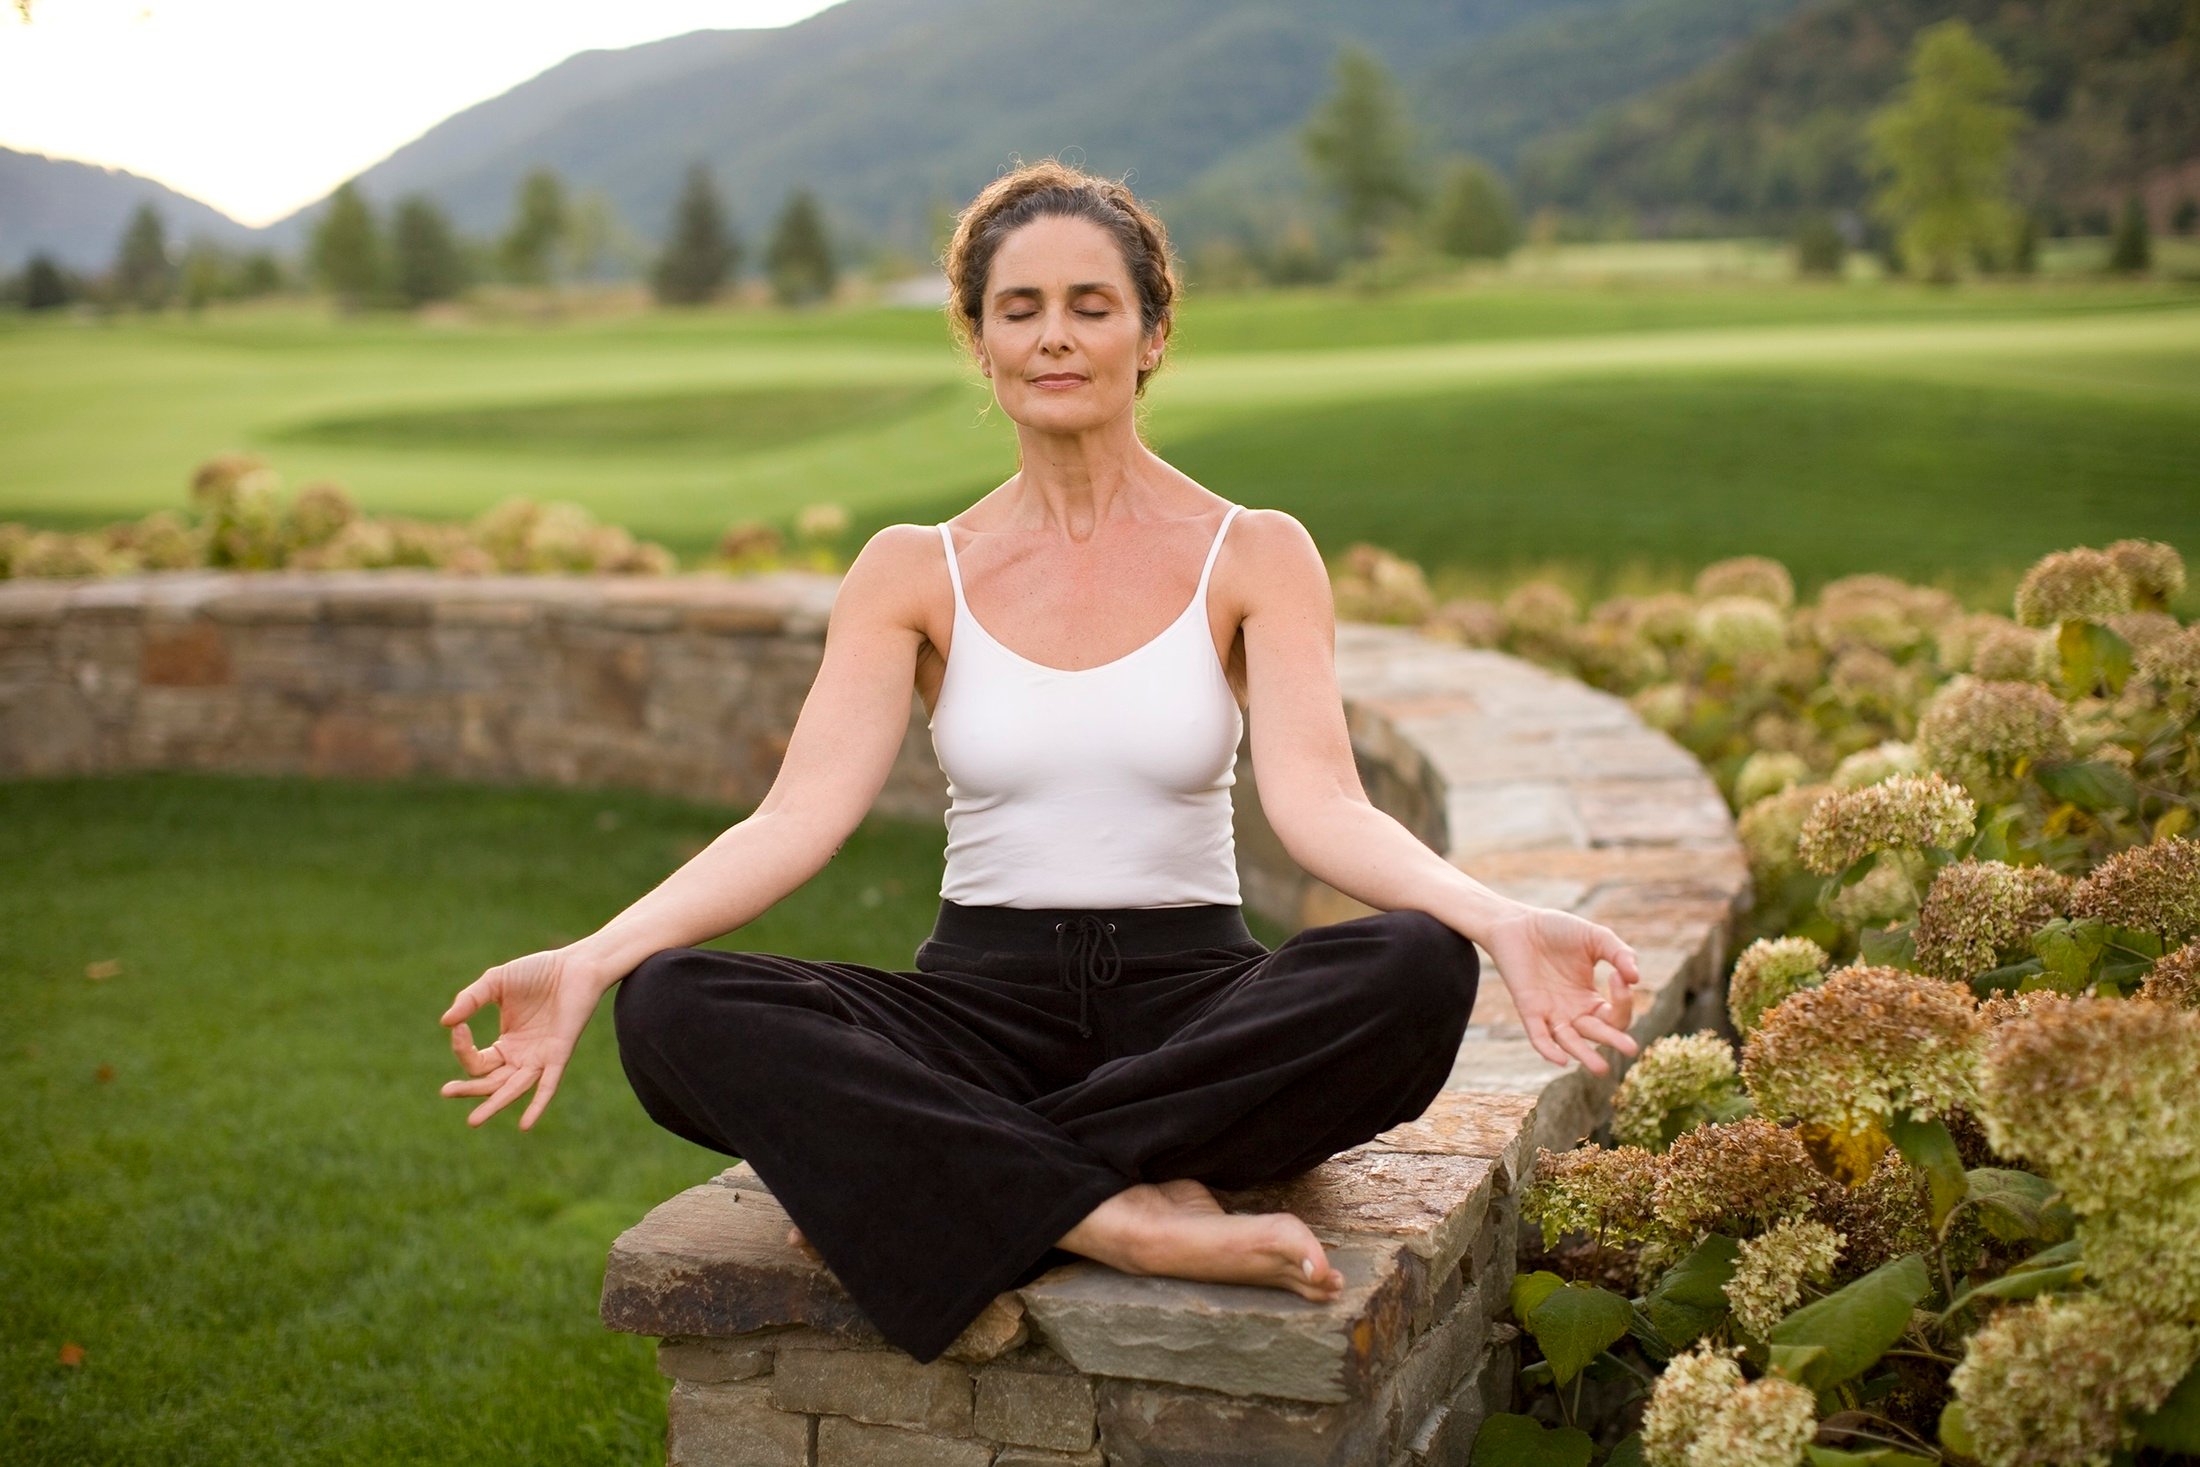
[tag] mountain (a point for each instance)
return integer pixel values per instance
(2111, 89)
(77, 212)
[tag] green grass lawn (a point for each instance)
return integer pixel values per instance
(229, 1177)
(1615, 430)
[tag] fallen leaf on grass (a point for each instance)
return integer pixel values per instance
(102, 970)
(72, 1353)
(104, 1073)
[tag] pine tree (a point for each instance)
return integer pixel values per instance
(1473, 216)
(703, 252)
(346, 253)
(207, 275)
(144, 275)
(427, 262)
(1358, 144)
(44, 286)
(1943, 148)
(2131, 251)
(529, 248)
(800, 258)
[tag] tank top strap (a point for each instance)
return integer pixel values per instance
(1214, 551)
(954, 571)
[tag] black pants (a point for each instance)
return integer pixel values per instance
(934, 1132)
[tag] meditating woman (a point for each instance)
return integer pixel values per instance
(1091, 1037)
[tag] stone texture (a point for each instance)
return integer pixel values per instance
(845, 1443)
(713, 1362)
(1145, 1425)
(1039, 1457)
(1237, 1338)
(1034, 1409)
(722, 1425)
(882, 1386)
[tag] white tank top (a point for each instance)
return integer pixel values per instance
(1105, 786)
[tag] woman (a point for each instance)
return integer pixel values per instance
(1091, 1035)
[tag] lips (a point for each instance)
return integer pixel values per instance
(1058, 379)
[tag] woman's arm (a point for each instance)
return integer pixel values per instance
(838, 758)
(1311, 793)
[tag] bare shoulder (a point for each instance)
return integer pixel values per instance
(1274, 563)
(894, 571)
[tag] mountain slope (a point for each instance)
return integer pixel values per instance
(77, 212)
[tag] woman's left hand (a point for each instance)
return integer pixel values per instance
(1548, 959)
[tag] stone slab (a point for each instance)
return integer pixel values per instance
(716, 1425)
(1233, 1338)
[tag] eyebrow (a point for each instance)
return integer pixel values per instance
(1034, 292)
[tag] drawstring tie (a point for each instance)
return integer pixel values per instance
(1085, 953)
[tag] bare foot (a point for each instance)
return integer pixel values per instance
(794, 1236)
(1179, 1229)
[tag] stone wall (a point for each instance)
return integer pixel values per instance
(1539, 787)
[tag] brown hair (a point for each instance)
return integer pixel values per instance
(1046, 188)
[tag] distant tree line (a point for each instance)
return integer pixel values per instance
(415, 256)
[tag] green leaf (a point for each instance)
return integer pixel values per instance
(1510, 1440)
(1531, 1289)
(2090, 784)
(1795, 1362)
(2028, 1284)
(1626, 1452)
(2005, 980)
(1574, 1323)
(1892, 947)
(1689, 1300)
(1955, 1431)
(2175, 1424)
(1857, 1322)
(2092, 656)
(2068, 951)
(1927, 1146)
(1855, 871)
(2016, 1205)
(1818, 1456)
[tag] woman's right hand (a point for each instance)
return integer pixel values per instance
(543, 1001)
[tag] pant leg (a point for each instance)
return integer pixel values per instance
(1340, 1033)
(869, 1102)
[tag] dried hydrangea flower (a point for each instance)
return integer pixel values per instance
(1664, 617)
(2154, 888)
(1900, 812)
(1773, 1267)
(2014, 654)
(1887, 893)
(2141, 629)
(1767, 772)
(1735, 1177)
(1605, 1192)
(1868, 680)
(1771, 828)
(1957, 640)
(1882, 1217)
(2003, 1007)
(2147, 1255)
(1467, 621)
(1872, 609)
(1540, 608)
(1767, 971)
(2098, 1093)
(2072, 585)
(1690, 1391)
(1976, 910)
(1974, 729)
(2175, 978)
(1765, 1423)
(1731, 628)
(1866, 1043)
(2047, 1383)
(2172, 661)
(1747, 575)
(1672, 1072)
(1870, 766)
(2155, 570)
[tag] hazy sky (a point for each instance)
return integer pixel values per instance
(260, 106)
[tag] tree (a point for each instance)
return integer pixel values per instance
(44, 286)
(529, 248)
(207, 275)
(596, 237)
(1359, 147)
(427, 262)
(259, 273)
(1473, 217)
(1943, 149)
(800, 258)
(1819, 247)
(2185, 215)
(346, 253)
(703, 251)
(144, 275)
(2131, 251)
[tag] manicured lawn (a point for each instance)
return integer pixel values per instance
(1616, 430)
(228, 1176)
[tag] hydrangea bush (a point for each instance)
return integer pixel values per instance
(240, 518)
(1939, 1199)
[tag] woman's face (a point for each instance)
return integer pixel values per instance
(1060, 336)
